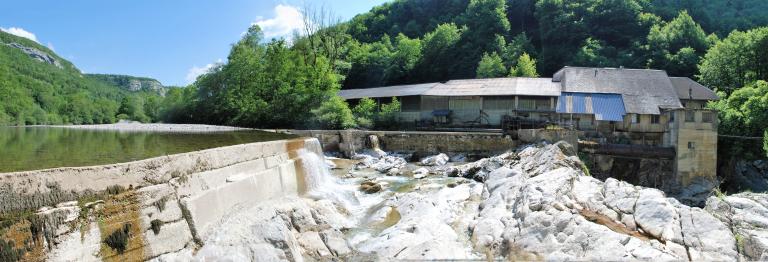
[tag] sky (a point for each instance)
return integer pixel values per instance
(169, 40)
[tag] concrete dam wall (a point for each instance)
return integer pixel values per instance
(167, 202)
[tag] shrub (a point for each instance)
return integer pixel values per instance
(156, 224)
(334, 113)
(8, 251)
(365, 112)
(765, 143)
(160, 203)
(115, 189)
(389, 114)
(118, 240)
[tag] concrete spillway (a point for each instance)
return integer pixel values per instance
(186, 193)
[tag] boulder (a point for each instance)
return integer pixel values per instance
(420, 173)
(436, 160)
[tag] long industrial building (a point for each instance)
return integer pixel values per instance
(608, 105)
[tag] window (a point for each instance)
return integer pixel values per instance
(410, 103)
(655, 119)
(499, 103)
(671, 117)
(635, 118)
(690, 116)
(707, 117)
(691, 145)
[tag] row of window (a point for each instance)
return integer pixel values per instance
(690, 117)
(706, 117)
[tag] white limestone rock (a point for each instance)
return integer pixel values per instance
(436, 160)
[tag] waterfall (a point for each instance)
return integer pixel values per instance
(374, 142)
(321, 184)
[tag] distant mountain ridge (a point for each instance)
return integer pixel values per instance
(131, 83)
(37, 86)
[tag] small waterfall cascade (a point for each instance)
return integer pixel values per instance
(374, 141)
(376, 151)
(321, 184)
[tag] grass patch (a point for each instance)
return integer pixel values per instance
(739, 242)
(115, 189)
(585, 158)
(719, 194)
(120, 226)
(9, 252)
(118, 240)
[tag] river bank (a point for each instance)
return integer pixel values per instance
(154, 127)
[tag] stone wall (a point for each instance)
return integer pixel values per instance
(551, 136)
(186, 194)
(421, 143)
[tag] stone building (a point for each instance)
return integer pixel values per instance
(605, 105)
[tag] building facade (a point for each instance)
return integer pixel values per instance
(607, 105)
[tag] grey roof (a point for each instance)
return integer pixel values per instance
(692, 90)
(644, 91)
(386, 91)
(523, 86)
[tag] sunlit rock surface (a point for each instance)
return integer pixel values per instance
(531, 204)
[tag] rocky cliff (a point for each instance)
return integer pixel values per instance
(37, 54)
(131, 83)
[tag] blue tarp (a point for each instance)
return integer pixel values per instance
(441, 112)
(605, 107)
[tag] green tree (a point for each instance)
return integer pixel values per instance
(737, 60)
(484, 19)
(365, 112)
(526, 67)
(334, 113)
(743, 113)
(677, 45)
(388, 115)
(406, 54)
(510, 52)
(591, 53)
(490, 66)
(438, 55)
(765, 143)
(562, 29)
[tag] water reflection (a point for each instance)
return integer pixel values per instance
(30, 148)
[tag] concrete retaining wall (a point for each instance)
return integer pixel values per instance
(189, 193)
(349, 141)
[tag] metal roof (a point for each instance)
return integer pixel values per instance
(692, 90)
(643, 91)
(605, 107)
(386, 91)
(523, 86)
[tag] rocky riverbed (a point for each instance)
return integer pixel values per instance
(534, 203)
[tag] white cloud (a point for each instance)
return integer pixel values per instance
(196, 71)
(20, 32)
(287, 19)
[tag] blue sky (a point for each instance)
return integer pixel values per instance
(170, 40)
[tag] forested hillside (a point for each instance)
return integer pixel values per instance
(39, 87)
(435, 40)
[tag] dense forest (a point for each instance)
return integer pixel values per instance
(39, 87)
